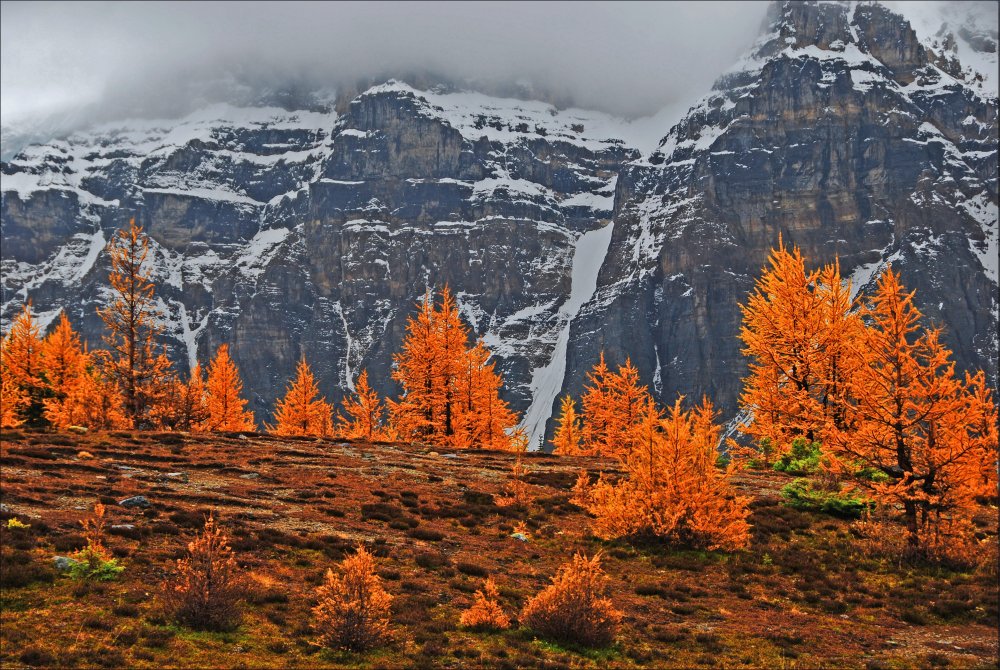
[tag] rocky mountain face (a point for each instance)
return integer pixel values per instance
(314, 227)
(844, 133)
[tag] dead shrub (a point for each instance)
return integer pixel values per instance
(486, 613)
(574, 608)
(207, 590)
(353, 610)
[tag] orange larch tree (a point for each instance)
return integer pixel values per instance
(483, 419)
(224, 407)
(454, 340)
(65, 364)
(628, 400)
(418, 370)
(612, 404)
(929, 432)
(451, 392)
(182, 406)
(364, 413)
(131, 325)
(596, 402)
(672, 488)
(302, 411)
(195, 408)
(21, 354)
(63, 358)
(566, 440)
(13, 400)
(796, 329)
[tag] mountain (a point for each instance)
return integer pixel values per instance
(843, 132)
(311, 224)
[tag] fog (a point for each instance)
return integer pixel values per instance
(92, 60)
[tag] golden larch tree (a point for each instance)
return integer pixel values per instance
(225, 408)
(931, 433)
(797, 327)
(418, 367)
(612, 405)
(575, 608)
(671, 488)
(93, 401)
(182, 405)
(596, 402)
(451, 391)
(566, 440)
(63, 358)
(66, 364)
(353, 610)
(21, 354)
(363, 412)
(486, 612)
(195, 400)
(131, 324)
(302, 411)
(483, 420)
(13, 399)
(208, 588)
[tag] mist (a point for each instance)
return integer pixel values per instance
(93, 61)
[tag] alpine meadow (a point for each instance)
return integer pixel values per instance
(499, 335)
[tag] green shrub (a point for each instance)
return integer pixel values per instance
(871, 475)
(801, 494)
(96, 566)
(803, 459)
(765, 448)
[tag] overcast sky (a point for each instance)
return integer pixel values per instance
(627, 58)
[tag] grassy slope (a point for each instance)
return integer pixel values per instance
(805, 595)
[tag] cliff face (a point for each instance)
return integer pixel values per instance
(289, 232)
(840, 132)
(314, 230)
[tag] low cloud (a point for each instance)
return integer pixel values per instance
(102, 60)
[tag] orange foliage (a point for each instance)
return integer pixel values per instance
(516, 489)
(13, 400)
(612, 405)
(95, 403)
(451, 392)
(209, 585)
(353, 610)
(483, 420)
(566, 441)
(225, 408)
(932, 433)
(364, 413)
(93, 532)
(130, 319)
(672, 488)
(302, 411)
(182, 406)
(65, 365)
(486, 613)
(575, 608)
(796, 326)
(21, 363)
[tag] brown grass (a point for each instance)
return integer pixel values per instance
(806, 594)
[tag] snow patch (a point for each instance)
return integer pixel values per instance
(260, 251)
(590, 251)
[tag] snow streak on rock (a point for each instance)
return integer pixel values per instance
(591, 249)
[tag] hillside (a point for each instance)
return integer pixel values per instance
(807, 593)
